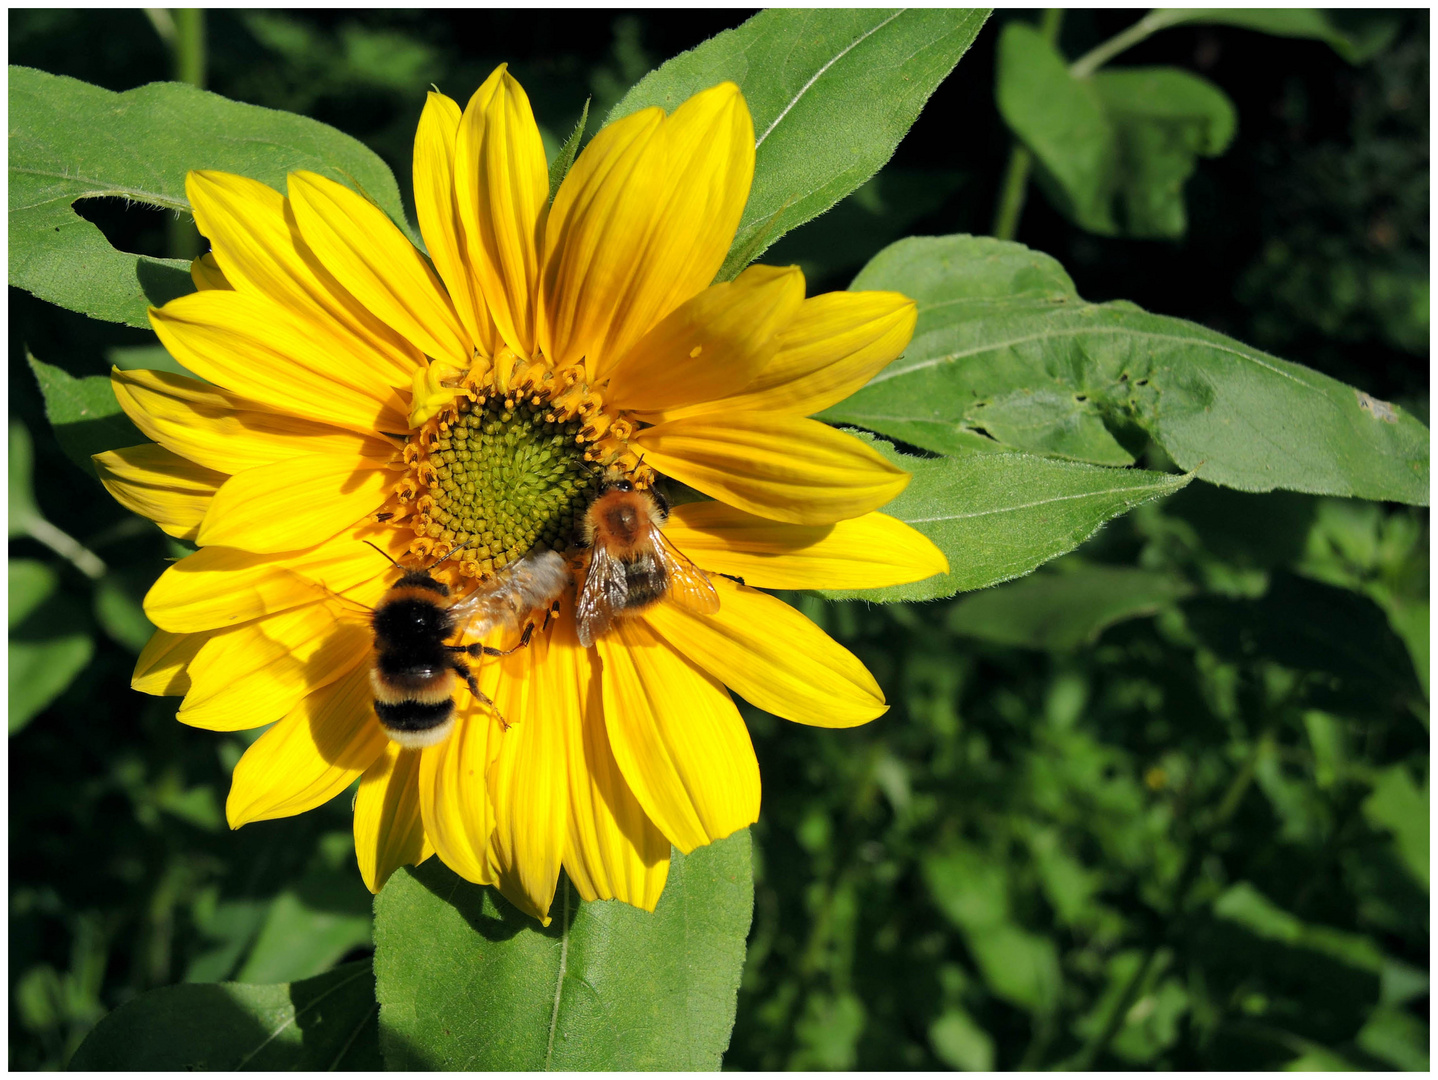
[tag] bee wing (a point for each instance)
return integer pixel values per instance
(689, 587)
(605, 588)
(467, 616)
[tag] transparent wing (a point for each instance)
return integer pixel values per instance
(605, 591)
(689, 587)
(472, 618)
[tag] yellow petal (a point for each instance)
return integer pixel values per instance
(529, 782)
(774, 658)
(833, 346)
(865, 552)
(251, 346)
(453, 797)
(389, 832)
(438, 215)
(218, 587)
(643, 222)
(782, 467)
(379, 267)
(708, 346)
(294, 504)
(612, 850)
(153, 482)
(501, 186)
(316, 751)
(258, 246)
(253, 674)
(224, 431)
(161, 668)
(205, 272)
(677, 737)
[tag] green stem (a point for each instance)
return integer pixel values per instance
(1149, 25)
(183, 32)
(63, 544)
(189, 46)
(1016, 176)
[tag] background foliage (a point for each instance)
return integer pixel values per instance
(1162, 803)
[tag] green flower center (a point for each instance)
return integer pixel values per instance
(507, 479)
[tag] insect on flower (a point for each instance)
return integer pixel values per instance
(412, 674)
(631, 565)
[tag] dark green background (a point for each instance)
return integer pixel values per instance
(1181, 834)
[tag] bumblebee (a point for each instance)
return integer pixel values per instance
(631, 564)
(413, 670)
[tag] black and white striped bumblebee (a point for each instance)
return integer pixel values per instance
(414, 668)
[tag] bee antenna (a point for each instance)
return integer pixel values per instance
(452, 553)
(386, 554)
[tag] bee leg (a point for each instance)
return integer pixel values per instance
(732, 577)
(479, 695)
(552, 613)
(523, 641)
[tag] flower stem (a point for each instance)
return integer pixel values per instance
(183, 32)
(1150, 24)
(63, 544)
(1016, 176)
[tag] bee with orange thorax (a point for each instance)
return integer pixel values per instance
(414, 669)
(631, 564)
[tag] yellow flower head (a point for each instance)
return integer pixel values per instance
(367, 407)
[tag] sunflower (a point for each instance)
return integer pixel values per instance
(365, 406)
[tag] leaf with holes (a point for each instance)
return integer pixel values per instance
(467, 982)
(324, 1023)
(70, 141)
(1004, 347)
(831, 92)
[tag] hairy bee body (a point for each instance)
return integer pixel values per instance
(414, 668)
(631, 565)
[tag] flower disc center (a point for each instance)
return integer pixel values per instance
(506, 478)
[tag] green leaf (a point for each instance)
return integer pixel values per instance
(1063, 123)
(23, 507)
(997, 516)
(559, 167)
(960, 1043)
(1397, 1037)
(1114, 149)
(84, 413)
(1164, 119)
(1246, 906)
(49, 644)
(467, 982)
(315, 921)
(1355, 44)
(1063, 610)
(146, 358)
(1400, 806)
(324, 1023)
(70, 141)
(119, 606)
(1002, 333)
(831, 92)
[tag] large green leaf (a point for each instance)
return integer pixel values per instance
(997, 516)
(84, 413)
(70, 141)
(467, 982)
(1401, 806)
(1065, 610)
(1114, 149)
(1354, 43)
(1005, 347)
(831, 91)
(320, 1024)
